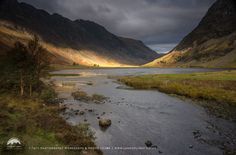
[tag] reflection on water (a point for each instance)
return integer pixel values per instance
(139, 115)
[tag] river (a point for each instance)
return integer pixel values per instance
(176, 126)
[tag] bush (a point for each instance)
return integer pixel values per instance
(48, 95)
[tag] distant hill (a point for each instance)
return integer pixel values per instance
(80, 41)
(211, 44)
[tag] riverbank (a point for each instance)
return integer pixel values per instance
(40, 125)
(71, 67)
(218, 89)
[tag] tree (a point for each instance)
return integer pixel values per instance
(40, 62)
(17, 61)
(24, 65)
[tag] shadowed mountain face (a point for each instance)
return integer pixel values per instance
(77, 35)
(211, 44)
(219, 21)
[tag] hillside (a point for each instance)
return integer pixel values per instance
(80, 41)
(211, 44)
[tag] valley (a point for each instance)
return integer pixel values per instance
(70, 86)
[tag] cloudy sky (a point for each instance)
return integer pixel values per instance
(160, 24)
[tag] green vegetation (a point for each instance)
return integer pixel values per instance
(39, 125)
(48, 95)
(217, 88)
(23, 66)
(61, 67)
(83, 96)
(64, 74)
(29, 109)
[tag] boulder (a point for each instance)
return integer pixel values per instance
(104, 123)
(148, 143)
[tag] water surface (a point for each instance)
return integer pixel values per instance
(174, 125)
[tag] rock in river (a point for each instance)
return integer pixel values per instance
(81, 112)
(148, 143)
(90, 110)
(104, 123)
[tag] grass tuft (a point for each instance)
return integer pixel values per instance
(83, 96)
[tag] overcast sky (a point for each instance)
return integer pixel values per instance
(155, 22)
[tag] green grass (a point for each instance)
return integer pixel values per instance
(64, 75)
(217, 88)
(40, 125)
(63, 67)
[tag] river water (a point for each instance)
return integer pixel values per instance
(175, 126)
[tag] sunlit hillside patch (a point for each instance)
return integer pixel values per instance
(61, 55)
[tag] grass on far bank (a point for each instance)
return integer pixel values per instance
(64, 75)
(54, 67)
(217, 88)
(40, 125)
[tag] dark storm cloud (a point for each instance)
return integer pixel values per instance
(152, 21)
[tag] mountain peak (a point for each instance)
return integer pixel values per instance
(219, 21)
(210, 44)
(78, 35)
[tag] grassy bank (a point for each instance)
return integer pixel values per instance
(61, 67)
(51, 75)
(40, 125)
(217, 88)
(29, 107)
(55, 67)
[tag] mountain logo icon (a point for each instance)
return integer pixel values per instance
(14, 143)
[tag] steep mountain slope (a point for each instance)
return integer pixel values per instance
(211, 44)
(78, 41)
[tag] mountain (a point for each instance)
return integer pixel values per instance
(211, 44)
(80, 41)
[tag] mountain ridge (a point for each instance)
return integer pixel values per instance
(210, 44)
(78, 35)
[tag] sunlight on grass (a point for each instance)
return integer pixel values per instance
(64, 75)
(219, 87)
